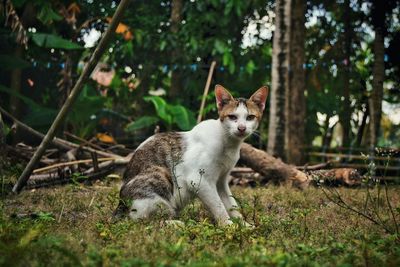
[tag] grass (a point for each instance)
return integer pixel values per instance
(71, 226)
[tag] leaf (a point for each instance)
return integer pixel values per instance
(220, 46)
(53, 41)
(141, 123)
(163, 44)
(18, 3)
(87, 104)
(25, 99)
(8, 62)
(47, 15)
(227, 58)
(38, 115)
(160, 106)
(182, 117)
(228, 7)
(105, 138)
(250, 67)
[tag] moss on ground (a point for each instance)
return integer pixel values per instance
(71, 226)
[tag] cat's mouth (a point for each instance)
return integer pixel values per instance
(241, 134)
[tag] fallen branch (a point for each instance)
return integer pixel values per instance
(315, 167)
(84, 142)
(64, 164)
(63, 177)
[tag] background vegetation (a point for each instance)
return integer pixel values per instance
(155, 71)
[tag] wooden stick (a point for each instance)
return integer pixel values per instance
(314, 167)
(206, 88)
(73, 95)
(69, 163)
(95, 161)
(83, 141)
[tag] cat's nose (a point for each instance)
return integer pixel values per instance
(242, 128)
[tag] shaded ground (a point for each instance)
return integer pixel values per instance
(70, 226)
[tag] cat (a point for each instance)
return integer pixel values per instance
(169, 169)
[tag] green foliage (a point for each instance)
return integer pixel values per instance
(47, 14)
(8, 62)
(170, 114)
(53, 41)
(82, 117)
(142, 122)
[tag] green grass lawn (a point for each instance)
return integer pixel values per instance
(71, 226)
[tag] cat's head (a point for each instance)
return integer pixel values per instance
(240, 117)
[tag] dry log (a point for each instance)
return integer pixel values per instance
(342, 176)
(272, 169)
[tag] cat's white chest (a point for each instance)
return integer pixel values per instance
(208, 151)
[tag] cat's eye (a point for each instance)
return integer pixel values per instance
(232, 117)
(250, 117)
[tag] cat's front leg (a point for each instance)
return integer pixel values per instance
(209, 196)
(229, 201)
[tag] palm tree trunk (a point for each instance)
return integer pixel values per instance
(375, 100)
(296, 102)
(280, 78)
(176, 77)
(346, 112)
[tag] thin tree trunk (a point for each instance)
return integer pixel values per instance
(346, 113)
(176, 77)
(296, 102)
(15, 84)
(375, 101)
(361, 129)
(280, 79)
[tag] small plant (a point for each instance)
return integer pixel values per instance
(168, 114)
(376, 205)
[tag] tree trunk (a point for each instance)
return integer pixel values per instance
(15, 84)
(280, 79)
(361, 129)
(296, 102)
(176, 77)
(375, 101)
(346, 112)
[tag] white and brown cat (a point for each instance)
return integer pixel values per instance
(169, 169)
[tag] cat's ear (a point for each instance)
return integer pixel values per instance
(259, 97)
(222, 96)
